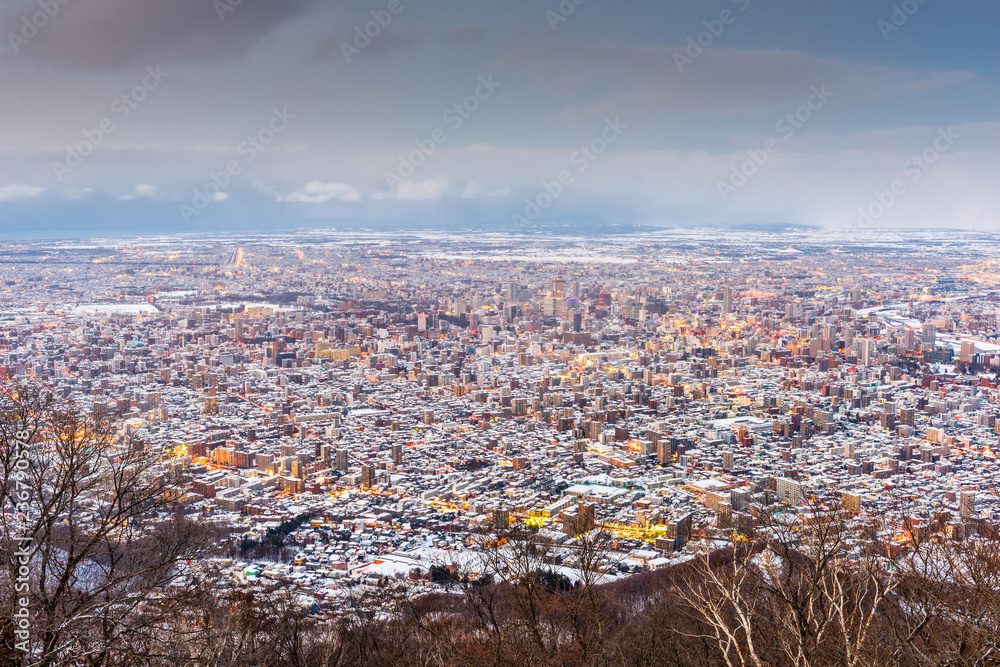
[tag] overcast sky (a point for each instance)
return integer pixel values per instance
(116, 114)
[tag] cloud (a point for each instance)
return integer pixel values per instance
(16, 192)
(474, 190)
(320, 193)
(465, 35)
(105, 34)
(580, 80)
(143, 192)
(429, 190)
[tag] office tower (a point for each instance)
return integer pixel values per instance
(866, 351)
(909, 338)
(367, 477)
(576, 289)
(929, 335)
(727, 300)
(512, 291)
(966, 505)
(968, 351)
(397, 454)
(341, 460)
(663, 453)
(559, 288)
(238, 325)
(740, 499)
(422, 322)
(577, 322)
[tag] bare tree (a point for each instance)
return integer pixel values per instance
(99, 532)
(807, 592)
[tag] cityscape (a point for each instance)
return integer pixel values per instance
(395, 395)
(381, 333)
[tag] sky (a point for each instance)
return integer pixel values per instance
(133, 117)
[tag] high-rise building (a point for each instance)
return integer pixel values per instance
(866, 350)
(397, 453)
(968, 351)
(929, 334)
(341, 462)
(789, 491)
(727, 300)
(850, 502)
(966, 505)
(909, 338)
(559, 288)
(367, 477)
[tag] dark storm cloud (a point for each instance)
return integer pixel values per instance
(109, 34)
(465, 36)
(333, 46)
